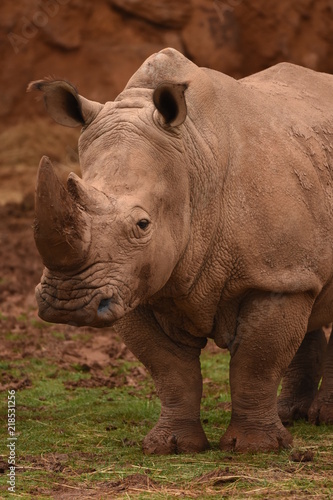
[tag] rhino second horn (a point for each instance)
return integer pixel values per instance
(91, 199)
(61, 228)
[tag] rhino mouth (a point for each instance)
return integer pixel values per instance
(97, 307)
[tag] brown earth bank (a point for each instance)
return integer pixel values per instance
(99, 44)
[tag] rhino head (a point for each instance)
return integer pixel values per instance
(112, 239)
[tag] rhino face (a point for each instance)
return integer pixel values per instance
(112, 239)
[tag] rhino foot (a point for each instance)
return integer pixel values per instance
(179, 437)
(290, 410)
(273, 438)
(321, 411)
(301, 379)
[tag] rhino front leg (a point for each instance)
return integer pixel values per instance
(321, 411)
(270, 330)
(300, 383)
(175, 369)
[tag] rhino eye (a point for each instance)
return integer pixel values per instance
(143, 223)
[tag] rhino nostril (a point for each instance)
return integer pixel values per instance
(104, 305)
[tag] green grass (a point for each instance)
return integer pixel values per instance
(80, 440)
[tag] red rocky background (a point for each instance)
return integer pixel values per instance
(99, 44)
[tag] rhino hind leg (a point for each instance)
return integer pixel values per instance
(270, 330)
(175, 369)
(301, 380)
(321, 410)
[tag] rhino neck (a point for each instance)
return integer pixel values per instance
(191, 297)
(208, 162)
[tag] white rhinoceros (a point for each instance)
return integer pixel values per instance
(205, 210)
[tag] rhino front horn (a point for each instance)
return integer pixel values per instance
(61, 228)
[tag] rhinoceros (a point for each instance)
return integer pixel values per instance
(204, 211)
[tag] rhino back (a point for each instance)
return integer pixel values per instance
(278, 189)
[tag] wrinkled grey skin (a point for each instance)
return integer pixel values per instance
(204, 211)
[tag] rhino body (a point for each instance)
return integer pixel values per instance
(204, 211)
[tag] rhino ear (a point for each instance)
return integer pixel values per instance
(169, 100)
(64, 104)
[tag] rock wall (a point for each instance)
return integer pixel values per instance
(99, 44)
